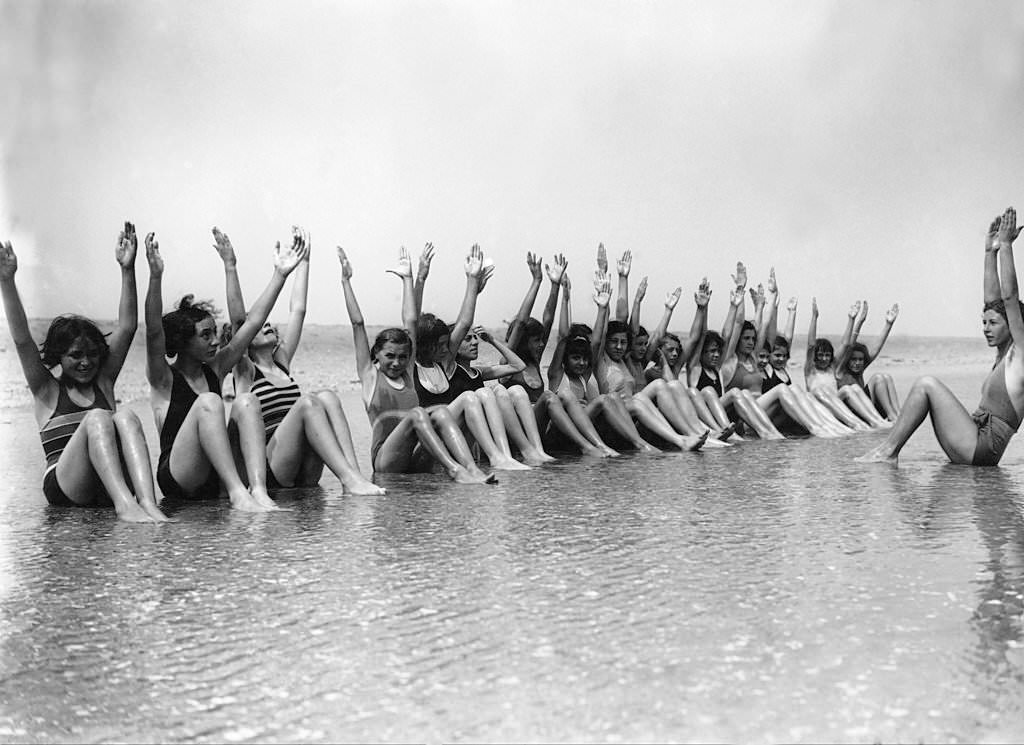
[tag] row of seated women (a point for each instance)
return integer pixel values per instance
(607, 388)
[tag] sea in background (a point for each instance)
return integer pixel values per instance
(773, 591)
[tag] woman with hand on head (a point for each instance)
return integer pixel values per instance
(196, 455)
(94, 454)
(880, 388)
(304, 432)
(977, 439)
(403, 432)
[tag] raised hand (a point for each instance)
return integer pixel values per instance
(641, 291)
(426, 256)
(485, 275)
(1008, 230)
(992, 237)
(286, 259)
(483, 334)
(814, 306)
(566, 284)
(556, 273)
(297, 230)
(673, 297)
(791, 305)
(8, 261)
(153, 257)
(602, 289)
(127, 246)
(222, 244)
(773, 286)
(703, 294)
(602, 259)
(534, 263)
(625, 263)
(737, 295)
(863, 310)
(404, 267)
(740, 277)
(475, 261)
(854, 309)
(890, 315)
(346, 267)
(757, 296)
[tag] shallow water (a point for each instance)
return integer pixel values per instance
(769, 592)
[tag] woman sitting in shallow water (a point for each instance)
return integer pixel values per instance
(93, 454)
(980, 438)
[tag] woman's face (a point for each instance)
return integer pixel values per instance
(616, 345)
(469, 349)
(536, 346)
(639, 348)
(857, 362)
(762, 359)
(747, 341)
(266, 337)
(442, 349)
(81, 362)
(711, 356)
(393, 359)
(822, 359)
(780, 358)
(203, 346)
(995, 328)
(577, 365)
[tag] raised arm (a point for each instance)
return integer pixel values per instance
(232, 287)
(790, 321)
(555, 278)
(812, 338)
(128, 307)
(158, 372)
(622, 302)
(515, 329)
(285, 261)
(759, 299)
(736, 313)
(422, 272)
(474, 266)
(671, 300)
(691, 345)
(767, 330)
(1008, 232)
(37, 376)
(739, 281)
(602, 296)
(634, 314)
(844, 342)
(514, 363)
(876, 349)
(364, 363)
(992, 291)
(555, 368)
(296, 306)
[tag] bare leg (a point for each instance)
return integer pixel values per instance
(954, 427)
(826, 415)
(782, 399)
(467, 408)
(417, 426)
(135, 454)
(615, 414)
(883, 395)
(92, 455)
(830, 399)
(445, 423)
(648, 415)
(519, 423)
(202, 443)
(862, 406)
(744, 405)
(579, 418)
(246, 424)
(548, 408)
(306, 431)
(342, 432)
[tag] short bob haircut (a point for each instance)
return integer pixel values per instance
(712, 337)
(393, 335)
(66, 330)
(619, 327)
(577, 345)
(532, 329)
(429, 330)
(180, 324)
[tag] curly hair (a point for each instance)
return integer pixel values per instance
(180, 324)
(620, 327)
(66, 330)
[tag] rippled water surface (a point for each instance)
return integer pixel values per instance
(774, 592)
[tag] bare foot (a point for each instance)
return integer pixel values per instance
(878, 456)
(132, 512)
(243, 501)
(509, 464)
(536, 457)
(691, 443)
(645, 447)
(154, 512)
(475, 476)
(262, 498)
(364, 488)
(609, 452)
(726, 432)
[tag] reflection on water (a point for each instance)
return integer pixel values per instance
(775, 592)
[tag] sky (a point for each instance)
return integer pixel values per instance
(859, 148)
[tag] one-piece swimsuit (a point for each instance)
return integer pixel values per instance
(56, 434)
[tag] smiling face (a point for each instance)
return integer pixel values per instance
(577, 364)
(823, 359)
(779, 357)
(80, 363)
(616, 345)
(639, 348)
(203, 346)
(393, 359)
(762, 359)
(995, 328)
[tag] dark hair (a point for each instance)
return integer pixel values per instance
(393, 335)
(429, 330)
(65, 331)
(823, 345)
(669, 336)
(641, 331)
(580, 329)
(855, 347)
(580, 345)
(532, 329)
(712, 337)
(780, 341)
(619, 327)
(1000, 307)
(180, 324)
(748, 326)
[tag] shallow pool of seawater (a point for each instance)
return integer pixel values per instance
(771, 592)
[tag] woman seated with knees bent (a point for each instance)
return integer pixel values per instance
(980, 438)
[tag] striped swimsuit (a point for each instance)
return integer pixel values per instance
(57, 432)
(275, 400)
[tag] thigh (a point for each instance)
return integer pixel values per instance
(187, 463)
(395, 454)
(75, 474)
(288, 447)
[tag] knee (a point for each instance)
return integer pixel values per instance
(419, 416)
(468, 401)
(127, 419)
(98, 423)
(548, 398)
(440, 415)
(517, 393)
(328, 397)
(308, 404)
(211, 403)
(485, 395)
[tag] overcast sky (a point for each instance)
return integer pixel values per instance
(859, 147)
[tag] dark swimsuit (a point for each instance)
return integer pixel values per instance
(533, 393)
(182, 398)
(714, 382)
(772, 379)
(996, 419)
(56, 434)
